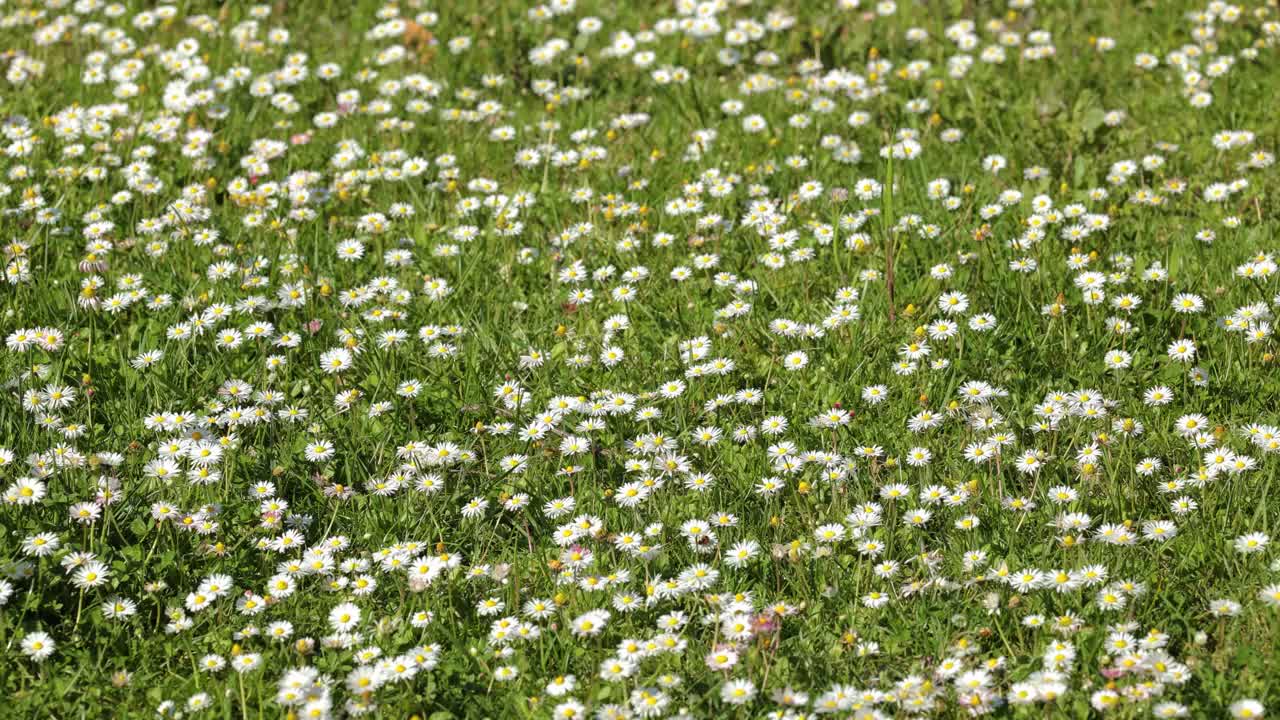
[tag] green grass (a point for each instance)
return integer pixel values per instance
(746, 277)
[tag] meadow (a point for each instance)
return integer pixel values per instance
(612, 360)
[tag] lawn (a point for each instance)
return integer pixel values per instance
(488, 359)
